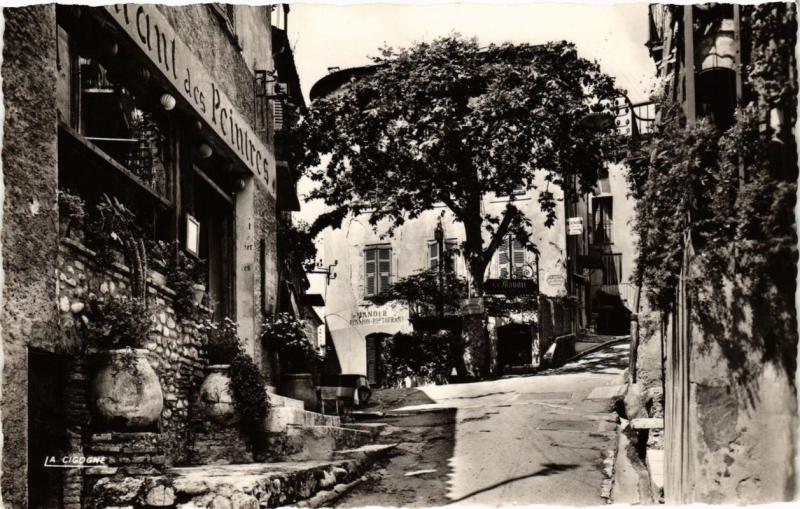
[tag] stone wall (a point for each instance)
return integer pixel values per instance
(30, 223)
(177, 348)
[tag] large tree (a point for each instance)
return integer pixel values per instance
(449, 122)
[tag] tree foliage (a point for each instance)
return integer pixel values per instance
(450, 121)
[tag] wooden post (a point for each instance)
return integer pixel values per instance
(690, 99)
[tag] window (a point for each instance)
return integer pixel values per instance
(602, 219)
(117, 139)
(450, 247)
(512, 257)
(377, 269)
(518, 191)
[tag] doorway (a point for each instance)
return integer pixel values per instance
(374, 364)
(514, 345)
(47, 380)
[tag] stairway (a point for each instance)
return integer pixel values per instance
(310, 457)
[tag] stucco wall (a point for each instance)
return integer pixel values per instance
(30, 222)
(742, 399)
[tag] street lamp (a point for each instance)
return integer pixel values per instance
(438, 235)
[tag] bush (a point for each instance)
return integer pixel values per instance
(71, 210)
(222, 341)
(285, 334)
(116, 322)
(249, 389)
(427, 355)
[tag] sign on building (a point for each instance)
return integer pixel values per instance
(575, 226)
(511, 286)
(153, 34)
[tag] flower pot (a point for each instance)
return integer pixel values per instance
(216, 398)
(126, 391)
(300, 386)
(199, 293)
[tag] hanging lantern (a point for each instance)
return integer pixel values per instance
(112, 49)
(167, 101)
(205, 151)
(142, 74)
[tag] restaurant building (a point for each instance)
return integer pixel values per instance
(169, 111)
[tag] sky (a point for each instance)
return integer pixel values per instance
(324, 36)
(343, 36)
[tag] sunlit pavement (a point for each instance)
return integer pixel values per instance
(532, 440)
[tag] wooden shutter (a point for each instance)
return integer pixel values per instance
(277, 114)
(384, 268)
(518, 258)
(433, 255)
(369, 270)
(502, 254)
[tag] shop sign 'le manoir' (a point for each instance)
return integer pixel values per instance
(151, 32)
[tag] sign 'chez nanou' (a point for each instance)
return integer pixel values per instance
(152, 33)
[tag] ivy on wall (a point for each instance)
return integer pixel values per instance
(732, 195)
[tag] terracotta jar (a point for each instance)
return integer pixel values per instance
(216, 398)
(126, 391)
(300, 386)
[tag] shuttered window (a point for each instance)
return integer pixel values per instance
(434, 256)
(377, 269)
(512, 258)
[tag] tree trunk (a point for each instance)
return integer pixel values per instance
(476, 345)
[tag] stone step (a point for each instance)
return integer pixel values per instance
(281, 417)
(366, 415)
(266, 485)
(276, 400)
(365, 452)
(374, 428)
(319, 442)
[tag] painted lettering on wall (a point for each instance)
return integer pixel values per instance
(376, 317)
(152, 33)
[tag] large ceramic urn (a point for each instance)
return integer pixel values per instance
(126, 391)
(216, 398)
(300, 386)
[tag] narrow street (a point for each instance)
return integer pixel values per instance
(515, 441)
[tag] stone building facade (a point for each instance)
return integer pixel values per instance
(75, 79)
(730, 399)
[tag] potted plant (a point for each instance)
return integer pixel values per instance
(285, 334)
(222, 346)
(233, 390)
(185, 275)
(71, 213)
(125, 389)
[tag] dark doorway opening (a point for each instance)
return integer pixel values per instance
(374, 364)
(514, 345)
(47, 380)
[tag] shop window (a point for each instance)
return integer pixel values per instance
(602, 219)
(512, 258)
(377, 269)
(450, 248)
(208, 207)
(115, 138)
